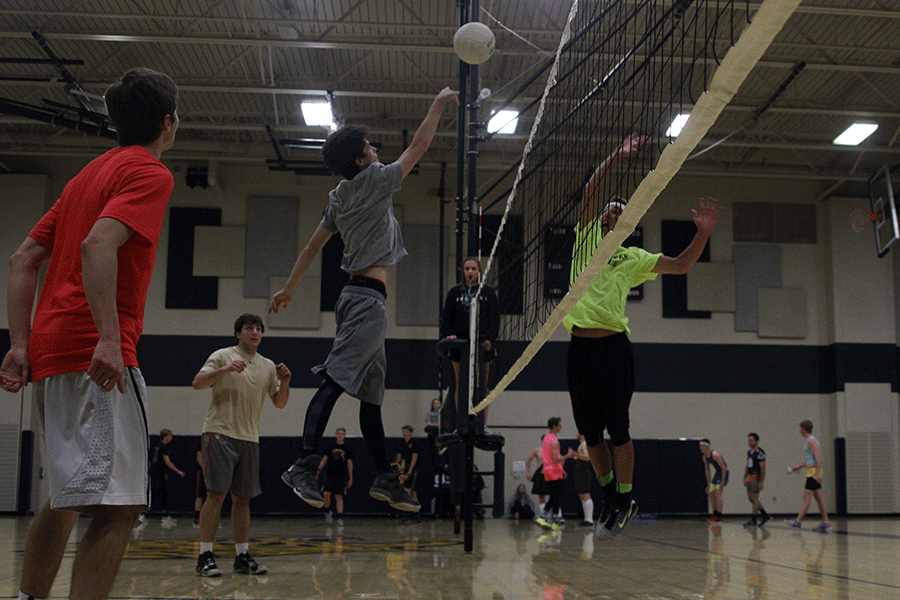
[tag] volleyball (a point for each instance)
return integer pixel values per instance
(474, 43)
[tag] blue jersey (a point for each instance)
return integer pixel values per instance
(717, 470)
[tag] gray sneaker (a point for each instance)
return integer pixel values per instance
(823, 528)
(387, 488)
(301, 476)
(616, 520)
(793, 523)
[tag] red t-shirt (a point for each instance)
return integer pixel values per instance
(127, 184)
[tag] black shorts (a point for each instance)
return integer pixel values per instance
(539, 484)
(335, 484)
(486, 355)
(813, 485)
(410, 482)
(600, 374)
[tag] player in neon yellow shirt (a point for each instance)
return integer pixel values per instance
(600, 368)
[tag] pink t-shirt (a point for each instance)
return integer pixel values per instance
(552, 470)
(127, 184)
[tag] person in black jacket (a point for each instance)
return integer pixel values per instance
(455, 321)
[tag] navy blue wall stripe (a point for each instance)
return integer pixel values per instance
(173, 360)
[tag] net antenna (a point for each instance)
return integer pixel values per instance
(629, 69)
(882, 212)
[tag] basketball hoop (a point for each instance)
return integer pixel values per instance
(860, 216)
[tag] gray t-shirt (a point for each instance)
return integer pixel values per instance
(361, 210)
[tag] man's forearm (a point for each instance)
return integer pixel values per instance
(100, 265)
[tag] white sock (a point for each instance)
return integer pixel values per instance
(241, 548)
(24, 596)
(588, 506)
(205, 547)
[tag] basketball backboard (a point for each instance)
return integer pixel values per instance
(883, 186)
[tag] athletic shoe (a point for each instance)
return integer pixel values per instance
(340, 522)
(618, 518)
(823, 528)
(543, 522)
(328, 517)
(301, 476)
(586, 524)
(206, 565)
(244, 563)
(793, 523)
(751, 523)
(554, 525)
(763, 519)
(387, 488)
(560, 519)
(142, 518)
(715, 519)
(168, 521)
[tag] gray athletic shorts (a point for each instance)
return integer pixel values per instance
(230, 465)
(357, 362)
(753, 487)
(96, 443)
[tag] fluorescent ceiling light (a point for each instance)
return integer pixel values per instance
(317, 113)
(855, 134)
(676, 126)
(504, 121)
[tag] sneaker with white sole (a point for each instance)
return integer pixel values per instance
(302, 478)
(245, 565)
(388, 488)
(793, 523)
(615, 523)
(206, 565)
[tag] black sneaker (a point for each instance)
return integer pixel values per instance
(301, 476)
(763, 519)
(206, 565)
(244, 563)
(388, 488)
(750, 523)
(618, 517)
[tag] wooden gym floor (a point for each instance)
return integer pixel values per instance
(512, 560)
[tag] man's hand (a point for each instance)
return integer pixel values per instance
(15, 370)
(236, 366)
(706, 218)
(446, 95)
(631, 144)
(279, 300)
(107, 367)
(283, 373)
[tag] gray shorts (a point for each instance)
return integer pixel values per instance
(230, 465)
(357, 362)
(753, 487)
(96, 443)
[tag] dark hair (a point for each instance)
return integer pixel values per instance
(138, 103)
(248, 319)
(340, 429)
(163, 433)
(407, 428)
(343, 147)
(806, 424)
(705, 441)
(462, 274)
(754, 436)
(553, 422)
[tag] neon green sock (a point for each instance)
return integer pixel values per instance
(623, 488)
(605, 479)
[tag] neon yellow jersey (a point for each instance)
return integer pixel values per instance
(603, 304)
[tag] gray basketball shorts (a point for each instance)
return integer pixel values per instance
(753, 487)
(230, 465)
(96, 442)
(357, 361)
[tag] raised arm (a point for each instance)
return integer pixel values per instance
(705, 220)
(319, 237)
(590, 199)
(24, 267)
(425, 133)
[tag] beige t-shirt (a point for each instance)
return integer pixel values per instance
(237, 398)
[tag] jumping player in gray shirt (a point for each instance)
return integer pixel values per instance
(360, 209)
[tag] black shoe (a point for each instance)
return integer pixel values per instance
(206, 565)
(763, 519)
(750, 523)
(387, 488)
(244, 563)
(301, 476)
(618, 518)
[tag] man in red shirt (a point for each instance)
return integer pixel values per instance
(100, 239)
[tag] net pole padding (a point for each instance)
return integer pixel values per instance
(737, 64)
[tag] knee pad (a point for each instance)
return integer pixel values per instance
(619, 437)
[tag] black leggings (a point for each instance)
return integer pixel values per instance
(319, 411)
(600, 373)
(555, 501)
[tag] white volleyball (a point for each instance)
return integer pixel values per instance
(474, 43)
